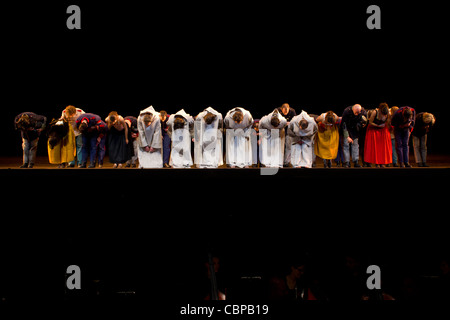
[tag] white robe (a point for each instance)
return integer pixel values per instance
(150, 137)
(238, 139)
(208, 142)
(180, 155)
(271, 147)
(302, 154)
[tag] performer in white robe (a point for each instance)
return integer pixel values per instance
(150, 139)
(181, 129)
(302, 130)
(208, 141)
(238, 123)
(271, 136)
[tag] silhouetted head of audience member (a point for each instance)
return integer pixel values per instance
(444, 267)
(296, 268)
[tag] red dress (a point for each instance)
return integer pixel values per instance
(378, 145)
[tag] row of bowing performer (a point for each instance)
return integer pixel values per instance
(209, 140)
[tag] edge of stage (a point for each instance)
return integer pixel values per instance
(439, 169)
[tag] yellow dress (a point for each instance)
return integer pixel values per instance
(327, 143)
(64, 151)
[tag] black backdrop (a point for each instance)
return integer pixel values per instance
(315, 56)
(129, 55)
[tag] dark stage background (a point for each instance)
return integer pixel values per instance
(315, 56)
(149, 231)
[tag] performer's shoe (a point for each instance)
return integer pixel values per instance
(166, 165)
(407, 165)
(31, 165)
(327, 163)
(424, 164)
(25, 165)
(91, 165)
(356, 164)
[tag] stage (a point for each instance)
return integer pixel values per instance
(436, 161)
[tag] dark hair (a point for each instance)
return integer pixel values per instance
(23, 122)
(209, 118)
(178, 123)
(147, 118)
(163, 113)
(407, 113)
(82, 127)
(275, 121)
(238, 116)
(329, 117)
(303, 124)
(112, 116)
(384, 108)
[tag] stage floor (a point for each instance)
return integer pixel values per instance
(434, 161)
